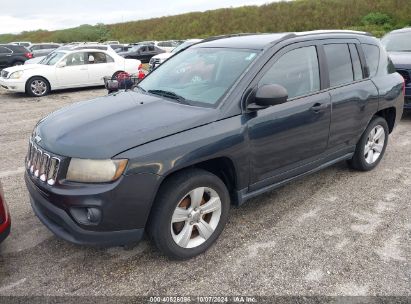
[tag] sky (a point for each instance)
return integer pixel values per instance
(25, 15)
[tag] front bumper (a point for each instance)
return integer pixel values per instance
(13, 85)
(124, 215)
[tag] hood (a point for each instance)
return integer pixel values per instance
(25, 67)
(34, 60)
(163, 56)
(103, 127)
(401, 60)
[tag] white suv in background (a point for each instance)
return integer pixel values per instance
(64, 69)
(156, 60)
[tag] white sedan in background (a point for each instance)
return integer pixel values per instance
(66, 69)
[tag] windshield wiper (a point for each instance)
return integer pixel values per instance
(140, 88)
(169, 94)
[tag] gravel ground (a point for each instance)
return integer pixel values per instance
(336, 232)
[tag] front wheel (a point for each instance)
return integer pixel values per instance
(37, 87)
(189, 214)
(371, 147)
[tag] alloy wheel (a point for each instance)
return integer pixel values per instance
(196, 217)
(38, 87)
(374, 145)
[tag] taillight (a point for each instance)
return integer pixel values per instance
(28, 55)
(140, 66)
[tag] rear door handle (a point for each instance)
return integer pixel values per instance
(318, 107)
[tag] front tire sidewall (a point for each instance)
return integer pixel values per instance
(31, 80)
(363, 165)
(169, 200)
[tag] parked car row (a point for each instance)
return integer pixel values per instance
(67, 67)
(142, 51)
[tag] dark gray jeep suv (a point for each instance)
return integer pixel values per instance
(217, 124)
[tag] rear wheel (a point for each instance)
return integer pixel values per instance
(189, 214)
(371, 147)
(37, 87)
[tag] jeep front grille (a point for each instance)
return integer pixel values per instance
(42, 165)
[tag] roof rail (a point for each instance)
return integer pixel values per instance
(316, 32)
(212, 38)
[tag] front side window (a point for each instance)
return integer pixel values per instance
(297, 71)
(339, 64)
(372, 56)
(199, 75)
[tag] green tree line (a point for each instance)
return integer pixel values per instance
(375, 16)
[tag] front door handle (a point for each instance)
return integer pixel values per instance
(318, 107)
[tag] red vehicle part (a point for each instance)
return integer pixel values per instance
(5, 221)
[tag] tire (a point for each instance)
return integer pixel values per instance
(199, 227)
(17, 63)
(371, 147)
(37, 86)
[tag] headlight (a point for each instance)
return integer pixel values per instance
(95, 170)
(16, 75)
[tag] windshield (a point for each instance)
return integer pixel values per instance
(199, 75)
(399, 42)
(52, 58)
(184, 45)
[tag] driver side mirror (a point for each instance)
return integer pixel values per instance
(61, 64)
(268, 95)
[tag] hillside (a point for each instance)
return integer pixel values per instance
(376, 16)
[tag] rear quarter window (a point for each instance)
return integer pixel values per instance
(372, 57)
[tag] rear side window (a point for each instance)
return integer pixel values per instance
(356, 63)
(297, 71)
(339, 64)
(372, 56)
(97, 57)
